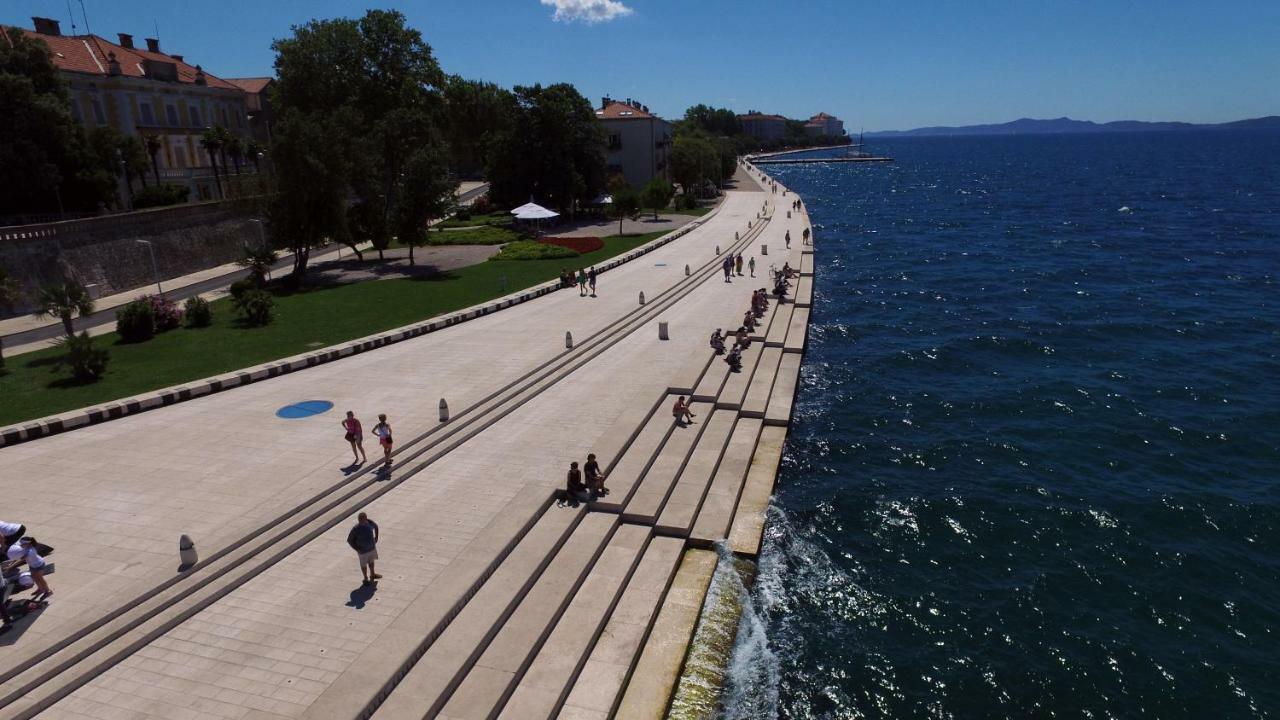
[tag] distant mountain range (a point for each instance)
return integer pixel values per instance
(1028, 126)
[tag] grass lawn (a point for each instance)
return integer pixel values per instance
(306, 320)
(494, 218)
(697, 212)
(479, 236)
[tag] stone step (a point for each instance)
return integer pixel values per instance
(681, 506)
(715, 514)
(712, 381)
(735, 388)
(495, 675)
(806, 263)
(781, 323)
(432, 679)
(654, 680)
(758, 392)
(627, 471)
(784, 391)
(686, 379)
(596, 690)
(765, 323)
(804, 292)
(646, 501)
(622, 434)
(797, 331)
(748, 520)
(545, 684)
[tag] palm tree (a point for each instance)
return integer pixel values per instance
(63, 300)
(253, 148)
(153, 147)
(234, 146)
(211, 141)
(9, 292)
(258, 261)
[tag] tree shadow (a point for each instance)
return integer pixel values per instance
(68, 383)
(362, 595)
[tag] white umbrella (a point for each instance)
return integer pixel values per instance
(527, 207)
(536, 213)
(603, 199)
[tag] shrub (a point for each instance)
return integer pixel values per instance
(160, 195)
(482, 206)
(256, 306)
(578, 244)
(240, 287)
(198, 311)
(168, 316)
(488, 235)
(686, 201)
(531, 250)
(462, 213)
(87, 361)
(136, 321)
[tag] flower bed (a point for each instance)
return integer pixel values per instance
(577, 244)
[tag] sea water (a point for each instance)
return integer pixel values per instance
(1033, 467)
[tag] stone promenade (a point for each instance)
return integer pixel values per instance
(275, 623)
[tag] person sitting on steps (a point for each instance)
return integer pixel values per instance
(734, 359)
(743, 339)
(681, 412)
(574, 485)
(717, 342)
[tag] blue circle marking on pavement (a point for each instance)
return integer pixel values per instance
(659, 264)
(303, 409)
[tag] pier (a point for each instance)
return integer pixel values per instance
(813, 161)
(498, 598)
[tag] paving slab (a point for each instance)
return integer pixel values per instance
(784, 391)
(781, 324)
(551, 673)
(804, 291)
(658, 670)
(678, 512)
(747, 530)
(646, 501)
(806, 264)
(715, 514)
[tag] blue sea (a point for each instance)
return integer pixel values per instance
(1033, 472)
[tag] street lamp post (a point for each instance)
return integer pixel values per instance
(155, 269)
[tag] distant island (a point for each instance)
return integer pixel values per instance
(1063, 125)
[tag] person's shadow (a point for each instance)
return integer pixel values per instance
(362, 595)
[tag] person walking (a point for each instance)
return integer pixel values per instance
(737, 264)
(363, 538)
(804, 237)
(751, 264)
(591, 280)
(788, 239)
(383, 431)
(582, 282)
(355, 436)
(727, 266)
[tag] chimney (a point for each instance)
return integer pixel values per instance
(153, 45)
(200, 78)
(176, 57)
(47, 26)
(604, 102)
(113, 65)
(126, 40)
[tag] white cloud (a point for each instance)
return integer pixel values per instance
(587, 11)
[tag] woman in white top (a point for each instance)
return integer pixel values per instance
(25, 551)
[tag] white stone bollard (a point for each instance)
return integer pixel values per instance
(788, 214)
(568, 339)
(748, 224)
(686, 270)
(444, 411)
(764, 249)
(717, 249)
(187, 554)
(662, 331)
(735, 234)
(641, 297)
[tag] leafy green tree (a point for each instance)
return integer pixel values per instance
(64, 300)
(693, 161)
(426, 192)
(133, 153)
(475, 114)
(716, 121)
(554, 151)
(657, 194)
(625, 200)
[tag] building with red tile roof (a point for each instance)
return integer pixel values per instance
(763, 127)
(824, 124)
(145, 91)
(639, 142)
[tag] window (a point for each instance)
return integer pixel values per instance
(171, 113)
(98, 116)
(148, 118)
(615, 142)
(195, 116)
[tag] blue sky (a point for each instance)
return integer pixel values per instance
(876, 64)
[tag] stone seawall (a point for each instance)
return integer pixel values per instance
(103, 253)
